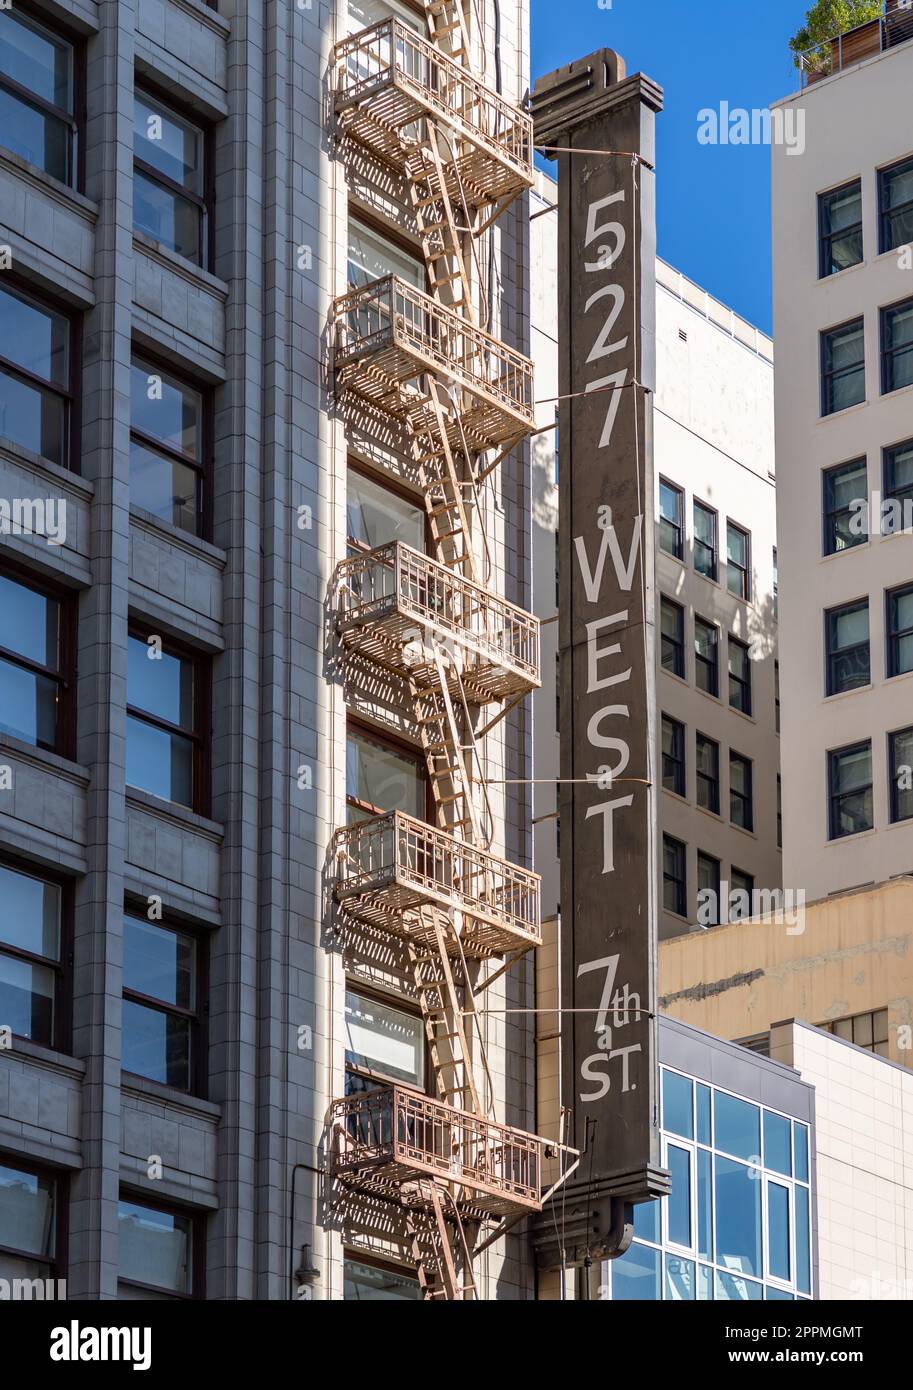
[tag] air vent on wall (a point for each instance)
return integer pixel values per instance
(683, 335)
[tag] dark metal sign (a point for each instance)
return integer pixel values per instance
(608, 804)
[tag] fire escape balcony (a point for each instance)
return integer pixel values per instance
(388, 334)
(395, 602)
(393, 869)
(391, 1137)
(388, 78)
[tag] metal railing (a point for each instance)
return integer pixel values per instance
(382, 1138)
(894, 27)
(390, 867)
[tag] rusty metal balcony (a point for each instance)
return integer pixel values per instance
(394, 602)
(386, 1138)
(393, 869)
(389, 78)
(388, 334)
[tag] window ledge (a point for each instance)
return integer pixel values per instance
(27, 458)
(194, 545)
(44, 759)
(170, 810)
(172, 261)
(841, 414)
(47, 1057)
(143, 1087)
(205, 15)
(837, 274)
(842, 840)
(847, 694)
(47, 183)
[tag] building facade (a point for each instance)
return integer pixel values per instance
(263, 742)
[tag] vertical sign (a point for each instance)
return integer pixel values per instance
(608, 800)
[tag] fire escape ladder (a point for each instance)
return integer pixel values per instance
(448, 1041)
(443, 487)
(441, 235)
(435, 1248)
(447, 29)
(450, 779)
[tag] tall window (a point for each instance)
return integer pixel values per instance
(31, 1212)
(672, 632)
(36, 394)
(35, 677)
(843, 487)
(738, 579)
(375, 515)
(372, 256)
(898, 476)
(900, 754)
(897, 346)
(840, 228)
(155, 1249)
(706, 656)
(37, 99)
(673, 755)
(777, 696)
(707, 758)
(167, 446)
(166, 707)
(169, 187)
(674, 887)
(383, 1044)
(848, 663)
(850, 790)
(779, 811)
(741, 801)
(739, 676)
(161, 1004)
(705, 541)
(895, 204)
(775, 568)
(741, 894)
(671, 519)
(382, 776)
(900, 630)
(32, 1002)
(708, 889)
(869, 1031)
(842, 367)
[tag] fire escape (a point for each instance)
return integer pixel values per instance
(462, 400)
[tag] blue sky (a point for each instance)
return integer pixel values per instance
(713, 201)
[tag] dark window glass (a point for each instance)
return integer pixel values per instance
(898, 481)
(845, 523)
(741, 811)
(673, 755)
(737, 1126)
(672, 624)
(901, 755)
(897, 346)
(36, 94)
(28, 1222)
(678, 1206)
(166, 446)
(160, 1003)
(163, 736)
(778, 1143)
(842, 367)
(777, 695)
(168, 179)
(738, 1226)
(848, 664)
(738, 580)
(900, 631)
(678, 1102)
(705, 541)
(739, 676)
(840, 228)
(34, 375)
(154, 1247)
(779, 812)
(30, 955)
(34, 691)
(741, 889)
(708, 773)
(381, 777)
(706, 657)
(671, 524)
(674, 896)
(708, 887)
(895, 189)
(850, 784)
(776, 583)
(868, 1030)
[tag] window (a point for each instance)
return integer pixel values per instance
(37, 98)
(372, 1282)
(32, 1002)
(672, 626)
(777, 696)
(775, 571)
(36, 395)
(168, 447)
(706, 656)
(382, 776)
(897, 346)
(900, 630)
(779, 812)
(161, 1004)
(31, 1223)
(674, 896)
(707, 758)
(673, 755)
(850, 790)
(901, 763)
(741, 894)
(739, 676)
(373, 256)
(847, 634)
(383, 1043)
(169, 197)
(840, 228)
(671, 519)
(844, 524)
(898, 482)
(741, 809)
(708, 890)
(705, 541)
(363, 13)
(738, 581)
(375, 515)
(156, 1247)
(895, 205)
(35, 676)
(842, 367)
(167, 696)
(863, 1030)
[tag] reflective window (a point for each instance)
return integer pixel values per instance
(36, 94)
(168, 178)
(163, 740)
(707, 753)
(374, 1283)
(30, 955)
(678, 1208)
(739, 676)
(34, 691)
(382, 777)
(705, 541)
(375, 515)
(741, 803)
(898, 482)
(672, 636)
(166, 446)
(708, 890)
(900, 631)
(850, 788)
(706, 656)
(154, 1247)
(842, 367)
(738, 579)
(736, 1126)
(160, 1003)
(671, 519)
(677, 1104)
(28, 1222)
(845, 522)
(384, 1040)
(847, 636)
(901, 774)
(373, 256)
(35, 350)
(897, 346)
(895, 198)
(868, 1030)
(674, 887)
(840, 228)
(673, 736)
